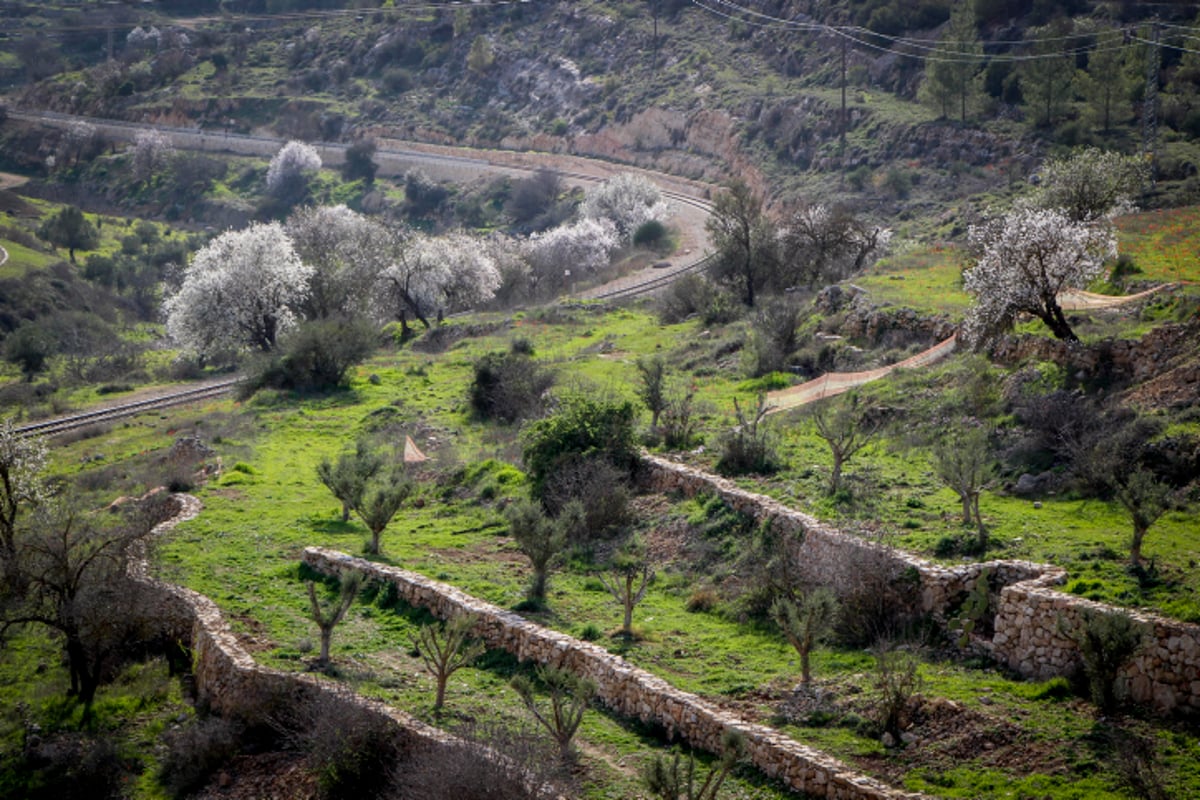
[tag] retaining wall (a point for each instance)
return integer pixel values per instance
(1026, 614)
(626, 689)
(232, 684)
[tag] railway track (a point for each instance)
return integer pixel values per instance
(57, 425)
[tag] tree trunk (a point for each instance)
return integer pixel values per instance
(835, 477)
(1056, 320)
(373, 548)
(440, 699)
(805, 672)
(1135, 547)
(326, 640)
(627, 626)
(345, 512)
(966, 507)
(538, 590)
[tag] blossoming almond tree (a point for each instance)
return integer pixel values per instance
(338, 244)
(1027, 258)
(240, 290)
(582, 247)
(430, 274)
(627, 201)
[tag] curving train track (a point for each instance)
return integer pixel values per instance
(108, 413)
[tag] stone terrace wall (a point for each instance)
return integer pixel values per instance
(626, 689)
(1029, 615)
(231, 683)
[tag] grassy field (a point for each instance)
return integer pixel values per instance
(243, 552)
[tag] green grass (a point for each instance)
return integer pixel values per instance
(243, 550)
(925, 279)
(1164, 244)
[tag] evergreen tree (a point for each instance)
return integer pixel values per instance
(952, 76)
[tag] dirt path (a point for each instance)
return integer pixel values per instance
(835, 383)
(1079, 300)
(11, 181)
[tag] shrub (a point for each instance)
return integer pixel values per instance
(1106, 642)
(749, 447)
(508, 387)
(194, 752)
(317, 356)
(583, 426)
(896, 680)
(702, 599)
(649, 234)
(343, 744)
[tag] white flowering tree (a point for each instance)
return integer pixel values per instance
(1027, 258)
(345, 250)
(151, 150)
(583, 247)
(627, 201)
(1092, 184)
(291, 168)
(239, 291)
(433, 274)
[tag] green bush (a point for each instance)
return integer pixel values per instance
(582, 426)
(649, 234)
(1106, 642)
(508, 387)
(315, 357)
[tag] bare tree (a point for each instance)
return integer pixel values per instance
(806, 622)
(847, 424)
(628, 569)
(569, 698)
(964, 463)
(328, 615)
(445, 648)
(74, 577)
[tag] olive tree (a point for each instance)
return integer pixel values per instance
(745, 239)
(1091, 184)
(240, 290)
(1026, 258)
(327, 615)
(445, 648)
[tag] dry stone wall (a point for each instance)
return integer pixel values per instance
(1027, 616)
(232, 684)
(626, 689)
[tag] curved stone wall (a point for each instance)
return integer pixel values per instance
(626, 689)
(1027, 615)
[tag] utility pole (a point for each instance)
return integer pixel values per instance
(1150, 102)
(842, 142)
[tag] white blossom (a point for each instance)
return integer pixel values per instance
(151, 149)
(344, 250)
(238, 291)
(627, 201)
(291, 168)
(583, 248)
(1026, 259)
(443, 273)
